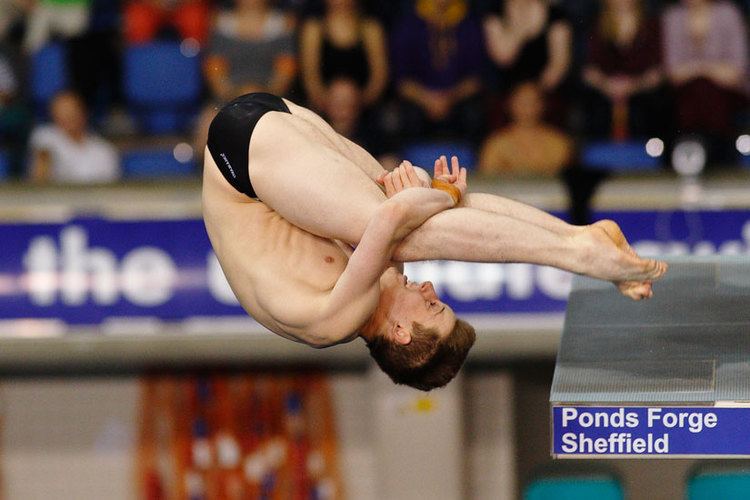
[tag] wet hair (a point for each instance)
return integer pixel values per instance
(427, 361)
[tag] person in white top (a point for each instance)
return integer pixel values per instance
(66, 152)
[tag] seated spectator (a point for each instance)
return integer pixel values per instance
(527, 146)
(14, 117)
(143, 19)
(623, 72)
(55, 18)
(437, 62)
(343, 103)
(530, 40)
(386, 13)
(344, 113)
(343, 44)
(705, 50)
(66, 152)
(11, 14)
(251, 49)
(8, 83)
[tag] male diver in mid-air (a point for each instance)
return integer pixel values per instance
(310, 231)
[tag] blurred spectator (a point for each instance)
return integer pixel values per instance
(343, 44)
(386, 13)
(143, 19)
(343, 103)
(527, 146)
(8, 83)
(251, 50)
(14, 117)
(94, 59)
(529, 40)
(66, 151)
(705, 47)
(55, 18)
(11, 13)
(623, 71)
(437, 55)
(344, 113)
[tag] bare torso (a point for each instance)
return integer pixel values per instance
(267, 260)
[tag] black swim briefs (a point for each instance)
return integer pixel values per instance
(230, 132)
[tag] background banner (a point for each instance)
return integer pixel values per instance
(89, 270)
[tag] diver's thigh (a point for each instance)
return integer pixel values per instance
(309, 183)
(357, 154)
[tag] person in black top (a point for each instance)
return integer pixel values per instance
(530, 41)
(343, 44)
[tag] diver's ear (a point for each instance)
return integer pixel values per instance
(400, 334)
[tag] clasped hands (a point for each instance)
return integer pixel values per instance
(449, 179)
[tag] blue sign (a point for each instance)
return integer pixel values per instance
(86, 271)
(650, 430)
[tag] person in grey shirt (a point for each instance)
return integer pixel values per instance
(251, 49)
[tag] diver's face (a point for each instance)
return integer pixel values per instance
(405, 302)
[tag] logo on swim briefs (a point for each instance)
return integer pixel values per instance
(226, 161)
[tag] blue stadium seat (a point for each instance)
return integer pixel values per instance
(425, 154)
(585, 487)
(618, 157)
(49, 75)
(724, 484)
(4, 165)
(162, 86)
(154, 164)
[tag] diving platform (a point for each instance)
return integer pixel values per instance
(666, 377)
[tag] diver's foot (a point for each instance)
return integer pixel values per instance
(602, 252)
(649, 269)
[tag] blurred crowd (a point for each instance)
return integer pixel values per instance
(523, 83)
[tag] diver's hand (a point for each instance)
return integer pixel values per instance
(456, 175)
(402, 177)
